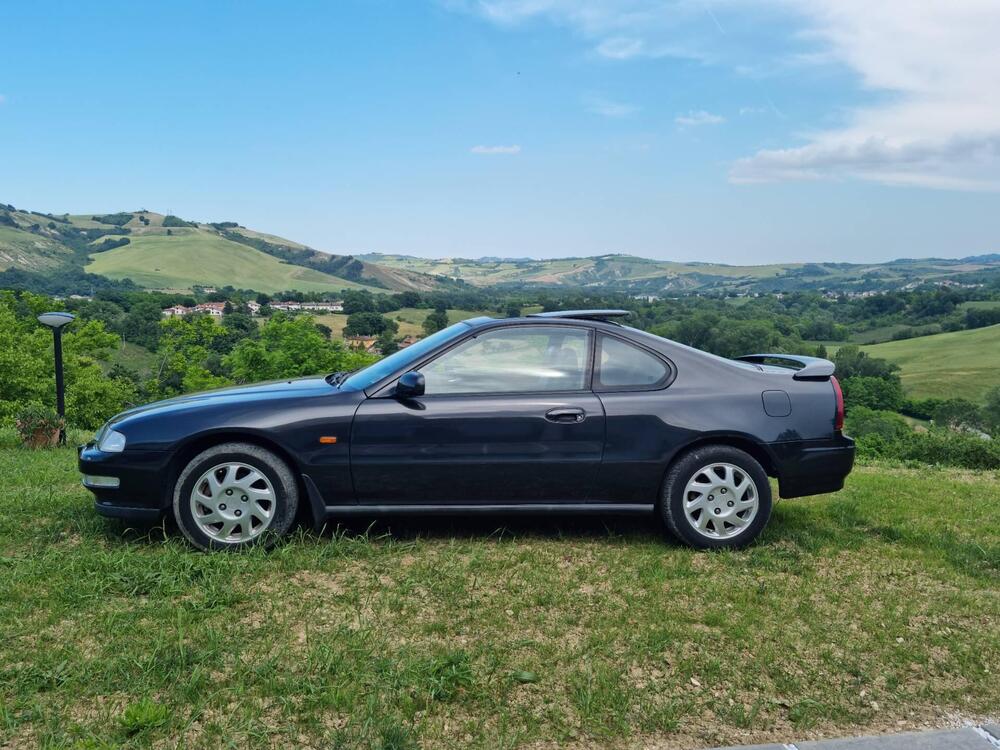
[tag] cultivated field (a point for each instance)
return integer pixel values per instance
(877, 608)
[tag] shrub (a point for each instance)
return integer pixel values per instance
(117, 220)
(176, 221)
(883, 394)
(38, 426)
(920, 408)
(864, 422)
(958, 413)
(935, 446)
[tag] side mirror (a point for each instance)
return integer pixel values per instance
(410, 385)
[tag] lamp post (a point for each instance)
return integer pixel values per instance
(56, 321)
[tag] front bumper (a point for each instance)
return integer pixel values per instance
(143, 490)
(813, 467)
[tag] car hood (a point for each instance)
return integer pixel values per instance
(242, 394)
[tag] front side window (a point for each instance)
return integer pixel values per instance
(512, 360)
(621, 365)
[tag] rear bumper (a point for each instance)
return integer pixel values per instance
(141, 494)
(813, 467)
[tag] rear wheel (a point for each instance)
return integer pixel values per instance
(235, 495)
(716, 497)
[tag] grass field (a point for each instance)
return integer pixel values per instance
(960, 363)
(877, 608)
(204, 258)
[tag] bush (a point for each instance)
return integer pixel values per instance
(920, 408)
(176, 221)
(882, 394)
(935, 446)
(116, 220)
(958, 413)
(864, 422)
(38, 426)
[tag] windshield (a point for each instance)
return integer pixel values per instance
(372, 374)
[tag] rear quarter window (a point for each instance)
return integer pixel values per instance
(622, 366)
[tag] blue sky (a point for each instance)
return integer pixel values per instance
(679, 129)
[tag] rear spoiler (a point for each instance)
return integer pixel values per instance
(808, 368)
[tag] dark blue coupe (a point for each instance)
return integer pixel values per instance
(557, 412)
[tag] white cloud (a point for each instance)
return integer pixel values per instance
(938, 127)
(496, 150)
(694, 118)
(3, 99)
(744, 111)
(931, 69)
(607, 108)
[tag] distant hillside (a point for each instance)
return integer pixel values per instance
(635, 275)
(166, 252)
(947, 365)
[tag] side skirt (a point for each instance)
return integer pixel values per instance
(524, 509)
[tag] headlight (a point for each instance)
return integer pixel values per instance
(111, 442)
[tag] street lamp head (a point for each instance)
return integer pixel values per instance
(56, 319)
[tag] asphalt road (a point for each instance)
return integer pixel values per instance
(969, 738)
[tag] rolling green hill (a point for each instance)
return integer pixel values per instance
(200, 258)
(947, 365)
(644, 276)
(165, 252)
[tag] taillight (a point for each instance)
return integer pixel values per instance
(838, 422)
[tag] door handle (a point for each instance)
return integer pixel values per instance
(570, 415)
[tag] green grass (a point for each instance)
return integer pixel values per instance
(960, 363)
(985, 304)
(872, 609)
(136, 358)
(193, 257)
(27, 251)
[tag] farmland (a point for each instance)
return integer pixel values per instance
(874, 608)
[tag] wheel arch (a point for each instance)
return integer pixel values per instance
(195, 444)
(757, 450)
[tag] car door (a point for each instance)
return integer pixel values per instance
(632, 382)
(507, 417)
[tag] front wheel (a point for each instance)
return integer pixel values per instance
(235, 495)
(716, 497)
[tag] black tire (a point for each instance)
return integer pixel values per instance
(279, 483)
(689, 467)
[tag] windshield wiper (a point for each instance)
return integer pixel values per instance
(337, 378)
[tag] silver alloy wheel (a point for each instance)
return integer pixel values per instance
(720, 501)
(233, 502)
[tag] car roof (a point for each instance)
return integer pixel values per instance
(586, 317)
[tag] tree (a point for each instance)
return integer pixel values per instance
(436, 321)
(369, 324)
(290, 347)
(359, 301)
(881, 394)
(958, 413)
(141, 323)
(387, 343)
(26, 366)
(513, 311)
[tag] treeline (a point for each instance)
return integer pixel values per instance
(191, 354)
